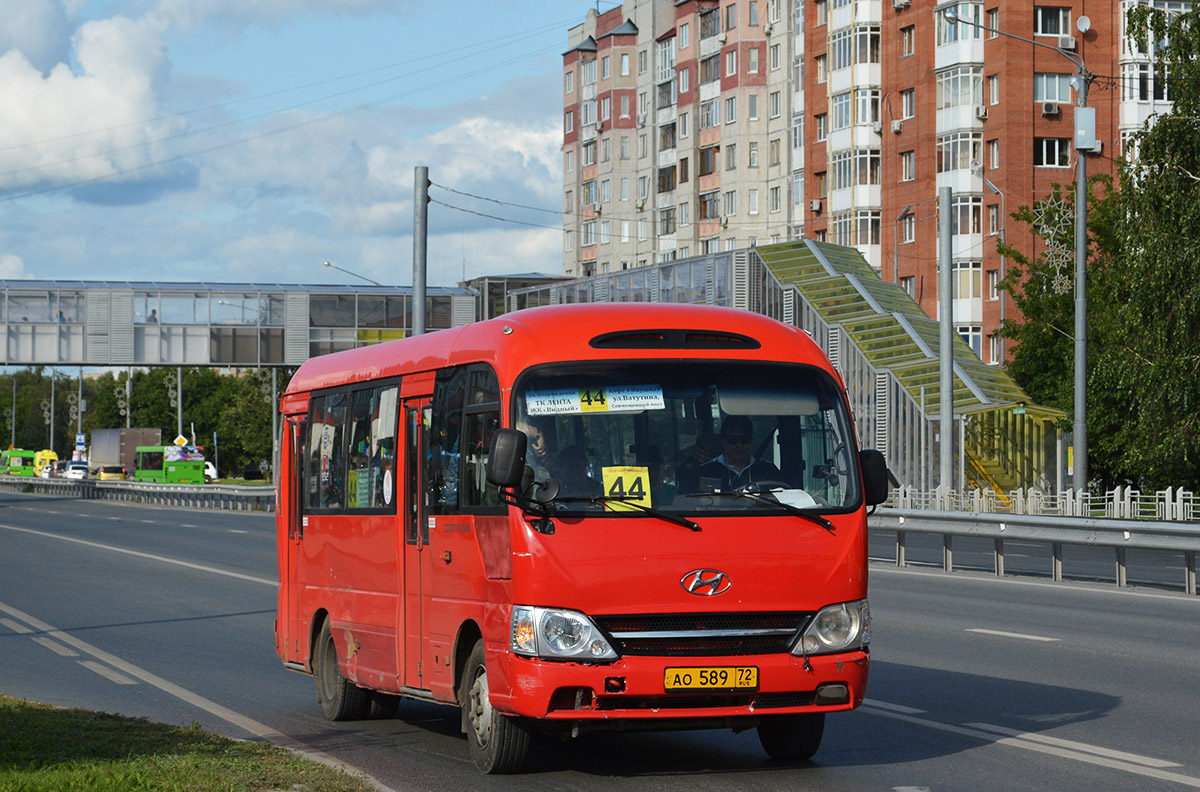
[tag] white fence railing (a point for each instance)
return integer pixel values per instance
(1120, 535)
(195, 496)
(1120, 503)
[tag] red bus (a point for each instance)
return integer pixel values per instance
(575, 518)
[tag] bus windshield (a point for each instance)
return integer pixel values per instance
(688, 436)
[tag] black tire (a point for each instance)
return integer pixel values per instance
(792, 738)
(340, 699)
(381, 706)
(498, 743)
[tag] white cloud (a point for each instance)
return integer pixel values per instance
(38, 29)
(65, 127)
(12, 267)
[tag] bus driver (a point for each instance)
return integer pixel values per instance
(736, 467)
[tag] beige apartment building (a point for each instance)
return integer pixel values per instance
(697, 126)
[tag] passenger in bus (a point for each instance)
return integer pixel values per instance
(571, 469)
(687, 473)
(736, 466)
(537, 449)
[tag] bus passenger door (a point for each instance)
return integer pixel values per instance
(289, 561)
(417, 564)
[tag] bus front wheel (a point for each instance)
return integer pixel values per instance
(792, 738)
(498, 743)
(340, 698)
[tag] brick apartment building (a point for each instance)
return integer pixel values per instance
(697, 126)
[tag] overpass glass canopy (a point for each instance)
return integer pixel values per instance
(99, 323)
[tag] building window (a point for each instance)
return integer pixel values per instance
(908, 166)
(710, 23)
(1051, 152)
(821, 69)
(908, 103)
(569, 122)
(993, 154)
(776, 62)
(666, 178)
(731, 62)
(773, 149)
(821, 184)
(973, 335)
(774, 105)
(666, 220)
(681, 124)
(731, 156)
(683, 170)
(1049, 87)
(604, 73)
(753, 155)
(822, 8)
(867, 104)
(993, 284)
(968, 280)
(730, 203)
(1142, 82)
(842, 168)
(841, 53)
(731, 16)
(993, 21)
(731, 110)
(841, 109)
(993, 89)
(710, 205)
(605, 232)
(587, 234)
(752, 201)
(866, 166)
(752, 112)
(1051, 21)
(570, 82)
(821, 121)
(569, 161)
(708, 159)
(624, 64)
(956, 150)
(684, 216)
(908, 229)
(841, 228)
(666, 137)
(959, 86)
(589, 154)
(866, 44)
(587, 193)
(994, 349)
(752, 60)
(866, 227)
(685, 76)
(605, 191)
(710, 114)
(966, 213)
(971, 15)
(776, 199)
(909, 284)
(908, 41)
(685, 35)
(710, 69)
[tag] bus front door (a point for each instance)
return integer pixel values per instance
(417, 563)
(292, 456)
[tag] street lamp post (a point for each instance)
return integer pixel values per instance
(331, 265)
(1080, 82)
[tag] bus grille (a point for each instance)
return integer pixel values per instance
(704, 634)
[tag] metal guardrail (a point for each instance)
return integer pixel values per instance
(1120, 535)
(196, 496)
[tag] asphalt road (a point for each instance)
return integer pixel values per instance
(976, 683)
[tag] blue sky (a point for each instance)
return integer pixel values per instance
(251, 140)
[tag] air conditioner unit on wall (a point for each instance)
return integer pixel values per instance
(1049, 108)
(897, 127)
(815, 205)
(1066, 42)
(981, 111)
(898, 4)
(877, 126)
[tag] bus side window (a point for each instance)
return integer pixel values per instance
(326, 463)
(477, 433)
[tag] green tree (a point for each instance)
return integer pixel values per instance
(1143, 289)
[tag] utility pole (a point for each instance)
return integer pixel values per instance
(420, 245)
(946, 335)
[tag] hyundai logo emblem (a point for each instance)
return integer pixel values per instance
(705, 582)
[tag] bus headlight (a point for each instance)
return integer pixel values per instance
(837, 628)
(554, 634)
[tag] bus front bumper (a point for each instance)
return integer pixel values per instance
(636, 688)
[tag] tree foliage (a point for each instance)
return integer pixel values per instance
(1143, 291)
(237, 409)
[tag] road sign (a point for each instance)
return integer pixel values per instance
(180, 440)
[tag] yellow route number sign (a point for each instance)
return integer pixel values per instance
(627, 481)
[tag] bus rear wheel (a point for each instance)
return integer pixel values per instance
(792, 738)
(498, 743)
(340, 698)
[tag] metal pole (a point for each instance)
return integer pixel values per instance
(129, 397)
(946, 336)
(13, 441)
(420, 245)
(275, 424)
(51, 445)
(1080, 478)
(79, 415)
(179, 401)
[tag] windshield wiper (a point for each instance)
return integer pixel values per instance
(754, 495)
(662, 515)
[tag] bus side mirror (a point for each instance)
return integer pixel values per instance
(506, 457)
(875, 476)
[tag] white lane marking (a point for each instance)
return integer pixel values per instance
(892, 707)
(1094, 757)
(1002, 634)
(149, 522)
(1076, 746)
(15, 626)
(107, 673)
(150, 556)
(56, 647)
(260, 730)
(237, 531)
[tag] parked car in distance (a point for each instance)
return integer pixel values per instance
(210, 472)
(58, 467)
(112, 473)
(76, 470)
(44, 471)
